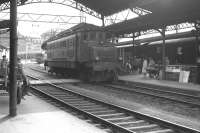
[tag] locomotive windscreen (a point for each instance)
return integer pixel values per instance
(104, 53)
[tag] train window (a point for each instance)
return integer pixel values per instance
(158, 50)
(67, 43)
(70, 43)
(85, 36)
(93, 35)
(62, 44)
(100, 36)
(179, 50)
(58, 45)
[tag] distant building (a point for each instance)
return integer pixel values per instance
(26, 45)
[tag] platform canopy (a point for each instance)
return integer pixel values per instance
(164, 13)
(152, 21)
(107, 7)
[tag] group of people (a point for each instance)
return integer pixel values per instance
(134, 65)
(146, 66)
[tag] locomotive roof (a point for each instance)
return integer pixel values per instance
(79, 27)
(76, 28)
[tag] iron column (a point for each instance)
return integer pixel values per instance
(13, 58)
(163, 55)
(103, 21)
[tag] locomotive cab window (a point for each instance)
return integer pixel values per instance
(92, 35)
(85, 35)
(101, 36)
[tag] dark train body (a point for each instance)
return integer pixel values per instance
(82, 51)
(179, 51)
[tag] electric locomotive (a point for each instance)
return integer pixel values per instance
(82, 51)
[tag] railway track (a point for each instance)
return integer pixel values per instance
(164, 94)
(174, 96)
(111, 117)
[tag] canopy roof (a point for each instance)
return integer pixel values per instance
(152, 21)
(107, 7)
(164, 12)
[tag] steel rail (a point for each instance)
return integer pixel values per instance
(117, 123)
(194, 100)
(156, 93)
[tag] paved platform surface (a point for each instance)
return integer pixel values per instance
(37, 82)
(164, 83)
(38, 116)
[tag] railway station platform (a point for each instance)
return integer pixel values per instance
(150, 82)
(38, 116)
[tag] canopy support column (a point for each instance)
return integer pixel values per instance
(13, 58)
(133, 41)
(135, 34)
(197, 34)
(163, 55)
(162, 32)
(103, 21)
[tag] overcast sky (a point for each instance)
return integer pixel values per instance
(35, 29)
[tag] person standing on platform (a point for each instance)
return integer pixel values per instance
(151, 62)
(4, 70)
(4, 64)
(21, 76)
(144, 66)
(166, 61)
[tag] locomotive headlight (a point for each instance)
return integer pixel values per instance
(97, 58)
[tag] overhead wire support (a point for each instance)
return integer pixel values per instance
(69, 3)
(140, 11)
(45, 18)
(127, 14)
